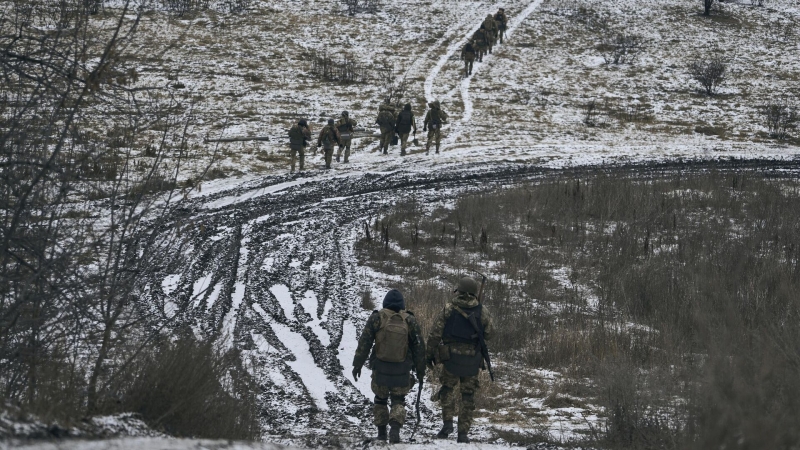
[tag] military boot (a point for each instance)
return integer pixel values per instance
(394, 432)
(381, 432)
(447, 428)
(462, 437)
(338, 158)
(437, 149)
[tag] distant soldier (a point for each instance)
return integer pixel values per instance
(386, 121)
(299, 135)
(480, 42)
(345, 125)
(491, 31)
(453, 342)
(434, 120)
(468, 56)
(405, 123)
(399, 348)
(502, 23)
(327, 138)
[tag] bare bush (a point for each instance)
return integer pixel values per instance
(780, 116)
(620, 47)
(183, 7)
(235, 6)
(344, 70)
(710, 73)
(361, 6)
(393, 88)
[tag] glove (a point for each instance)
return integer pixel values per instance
(319, 145)
(415, 131)
(356, 373)
(424, 128)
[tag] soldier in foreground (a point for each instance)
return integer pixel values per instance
(454, 342)
(491, 31)
(299, 135)
(468, 56)
(405, 122)
(345, 125)
(502, 23)
(386, 121)
(327, 137)
(399, 348)
(434, 120)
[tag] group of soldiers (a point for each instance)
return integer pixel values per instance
(392, 123)
(392, 346)
(491, 32)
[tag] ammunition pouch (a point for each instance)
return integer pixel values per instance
(442, 354)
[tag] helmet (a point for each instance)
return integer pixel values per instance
(345, 113)
(302, 123)
(467, 285)
(330, 122)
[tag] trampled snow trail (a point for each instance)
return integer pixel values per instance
(458, 127)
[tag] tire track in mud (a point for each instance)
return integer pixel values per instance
(274, 275)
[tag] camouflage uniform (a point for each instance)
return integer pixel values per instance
(453, 385)
(502, 23)
(297, 144)
(480, 42)
(387, 129)
(345, 126)
(433, 123)
(468, 55)
(491, 31)
(327, 137)
(402, 384)
(405, 123)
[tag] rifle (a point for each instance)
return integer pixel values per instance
(479, 332)
(419, 419)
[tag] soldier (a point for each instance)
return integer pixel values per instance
(502, 23)
(452, 342)
(345, 125)
(405, 122)
(386, 121)
(468, 55)
(399, 348)
(491, 31)
(480, 42)
(327, 137)
(434, 120)
(299, 135)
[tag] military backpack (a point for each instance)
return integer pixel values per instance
(296, 135)
(328, 135)
(385, 118)
(391, 340)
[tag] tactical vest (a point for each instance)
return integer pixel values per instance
(296, 136)
(404, 121)
(385, 118)
(345, 126)
(459, 329)
(328, 136)
(436, 116)
(391, 365)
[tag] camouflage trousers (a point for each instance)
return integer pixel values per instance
(345, 145)
(501, 32)
(386, 138)
(403, 143)
(480, 50)
(328, 156)
(434, 135)
(468, 63)
(381, 407)
(293, 153)
(452, 387)
(490, 43)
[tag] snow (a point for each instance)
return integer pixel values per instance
(309, 304)
(284, 297)
(347, 351)
(140, 444)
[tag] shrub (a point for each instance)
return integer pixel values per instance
(710, 73)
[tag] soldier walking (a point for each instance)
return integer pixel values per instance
(452, 342)
(386, 121)
(399, 348)
(405, 122)
(327, 137)
(299, 135)
(480, 42)
(468, 56)
(491, 31)
(434, 120)
(345, 125)
(502, 23)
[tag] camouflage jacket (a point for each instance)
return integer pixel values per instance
(468, 51)
(345, 125)
(334, 136)
(490, 25)
(438, 117)
(416, 343)
(436, 334)
(502, 20)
